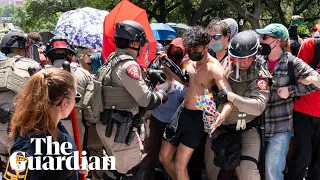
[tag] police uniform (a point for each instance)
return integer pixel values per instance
(126, 92)
(252, 95)
(87, 109)
(11, 84)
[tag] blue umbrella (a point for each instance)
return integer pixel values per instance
(84, 27)
(162, 31)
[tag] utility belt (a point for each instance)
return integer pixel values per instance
(127, 125)
(5, 115)
(227, 146)
(233, 127)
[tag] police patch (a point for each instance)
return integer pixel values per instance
(262, 84)
(133, 71)
(17, 170)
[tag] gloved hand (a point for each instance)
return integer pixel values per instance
(156, 76)
(222, 97)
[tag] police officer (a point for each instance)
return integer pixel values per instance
(249, 82)
(60, 50)
(14, 71)
(124, 90)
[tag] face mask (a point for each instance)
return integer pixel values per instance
(216, 46)
(196, 56)
(177, 56)
(264, 49)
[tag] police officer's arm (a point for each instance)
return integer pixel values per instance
(257, 100)
(302, 70)
(131, 79)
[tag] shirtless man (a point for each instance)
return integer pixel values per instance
(204, 72)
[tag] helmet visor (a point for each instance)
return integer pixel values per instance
(243, 69)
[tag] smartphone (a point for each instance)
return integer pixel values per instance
(297, 21)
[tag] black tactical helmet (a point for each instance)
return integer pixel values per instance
(130, 30)
(243, 45)
(13, 40)
(59, 42)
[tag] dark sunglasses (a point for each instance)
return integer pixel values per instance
(265, 37)
(216, 36)
(77, 99)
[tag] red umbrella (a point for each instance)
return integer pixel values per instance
(125, 10)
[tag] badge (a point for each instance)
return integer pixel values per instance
(17, 170)
(133, 71)
(262, 84)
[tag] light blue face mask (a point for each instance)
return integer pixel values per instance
(216, 46)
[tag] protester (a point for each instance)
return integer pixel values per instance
(47, 97)
(176, 51)
(158, 121)
(190, 132)
(278, 114)
(306, 118)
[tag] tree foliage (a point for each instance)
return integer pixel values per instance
(42, 15)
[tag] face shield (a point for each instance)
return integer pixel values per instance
(144, 47)
(243, 69)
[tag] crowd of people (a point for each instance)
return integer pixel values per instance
(214, 104)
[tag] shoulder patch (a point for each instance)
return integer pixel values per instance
(17, 170)
(262, 83)
(133, 71)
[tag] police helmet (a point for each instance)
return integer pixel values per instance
(13, 40)
(244, 45)
(130, 30)
(59, 42)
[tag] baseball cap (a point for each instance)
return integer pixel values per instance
(275, 29)
(232, 25)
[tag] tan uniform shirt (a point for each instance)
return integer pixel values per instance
(252, 97)
(129, 75)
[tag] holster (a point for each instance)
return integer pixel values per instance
(124, 127)
(105, 118)
(5, 114)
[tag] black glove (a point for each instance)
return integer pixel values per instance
(165, 97)
(156, 76)
(222, 97)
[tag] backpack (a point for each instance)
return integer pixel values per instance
(313, 64)
(12, 81)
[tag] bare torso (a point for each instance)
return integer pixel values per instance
(199, 79)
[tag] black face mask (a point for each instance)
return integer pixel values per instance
(196, 56)
(264, 49)
(58, 56)
(177, 56)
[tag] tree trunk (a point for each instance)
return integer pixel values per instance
(253, 18)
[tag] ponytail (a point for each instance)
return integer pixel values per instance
(33, 104)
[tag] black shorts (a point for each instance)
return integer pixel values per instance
(190, 131)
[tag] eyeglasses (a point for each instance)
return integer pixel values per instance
(265, 37)
(216, 36)
(77, 99)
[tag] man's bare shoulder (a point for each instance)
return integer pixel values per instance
(214, 65)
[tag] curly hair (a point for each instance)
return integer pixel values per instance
(196, 36)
